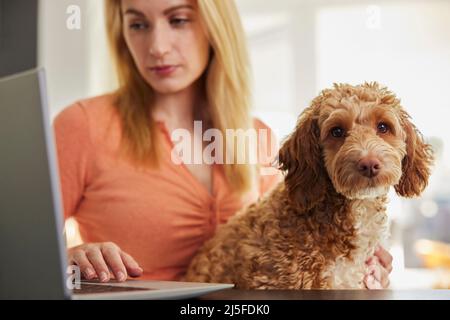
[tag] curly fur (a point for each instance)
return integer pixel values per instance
(317, 228)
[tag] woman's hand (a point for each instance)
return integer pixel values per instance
(380, 266)
(96, 260)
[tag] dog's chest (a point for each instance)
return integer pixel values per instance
(371, 228)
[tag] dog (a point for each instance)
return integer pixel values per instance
(317, 228)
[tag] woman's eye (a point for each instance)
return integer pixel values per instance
(383, 128)
(138, 26)
(337, 132)
(178, 22)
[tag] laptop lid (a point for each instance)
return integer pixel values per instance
(31, 228)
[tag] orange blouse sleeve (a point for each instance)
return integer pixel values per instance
(74, 151)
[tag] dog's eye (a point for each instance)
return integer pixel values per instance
(337, 132)
(383, 128)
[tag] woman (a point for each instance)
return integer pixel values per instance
(139, 213)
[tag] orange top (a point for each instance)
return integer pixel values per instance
(159, 216)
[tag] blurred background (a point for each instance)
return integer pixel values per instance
(298, 48)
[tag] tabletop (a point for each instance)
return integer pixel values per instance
(236, 294)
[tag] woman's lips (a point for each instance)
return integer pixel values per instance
(163, 70)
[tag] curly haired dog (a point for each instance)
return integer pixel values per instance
(316, 229)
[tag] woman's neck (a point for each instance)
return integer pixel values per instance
(177, 110)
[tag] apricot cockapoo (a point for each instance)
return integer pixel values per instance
(317, 228)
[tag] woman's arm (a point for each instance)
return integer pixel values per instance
(75, 156)
(74, 150)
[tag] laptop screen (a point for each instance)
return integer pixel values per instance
(30, 204)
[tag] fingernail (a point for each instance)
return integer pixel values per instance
(378, 285)
(121, 276)
(137, 271)
(136, 267)
(89, 273)
(103, 277)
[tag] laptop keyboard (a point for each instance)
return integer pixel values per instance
(87, 288)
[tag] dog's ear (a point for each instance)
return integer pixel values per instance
(416, 165)
(300, 158)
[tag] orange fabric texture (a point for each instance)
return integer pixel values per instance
(159, 216)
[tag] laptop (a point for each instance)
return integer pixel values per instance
(34, 262)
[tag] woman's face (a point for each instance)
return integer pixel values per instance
(167, 42)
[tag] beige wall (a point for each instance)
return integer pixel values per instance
(76, 61)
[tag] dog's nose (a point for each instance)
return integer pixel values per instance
(369, 167)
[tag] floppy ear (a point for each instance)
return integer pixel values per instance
(416, 166)
(301, 159)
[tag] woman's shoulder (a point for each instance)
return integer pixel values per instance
(97, 108)
(259, 124)
(268, 148)
(92, 117)
(266, 136)
(267, 142)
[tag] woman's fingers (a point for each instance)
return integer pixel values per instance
(377, 276)
(132, 266)
(372, 283)
(111, 254)
(381, 275)
(80, 259)
(95, 257)
(385, 282)
(385, 258)
(96, 260)
(380, 266)
(372, 276)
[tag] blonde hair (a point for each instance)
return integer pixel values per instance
(227, 87)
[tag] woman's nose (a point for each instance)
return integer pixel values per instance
(159, 42)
